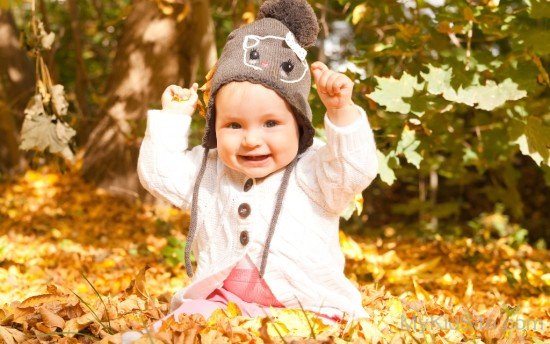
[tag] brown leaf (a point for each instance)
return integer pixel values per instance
(51, 319)
(264, 334)
(39, 300)
(206, 88)
(495, 325)
(137, 286)
(78, 324)
(44, 328)
(11, 335)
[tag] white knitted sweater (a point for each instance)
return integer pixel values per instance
(305, 263)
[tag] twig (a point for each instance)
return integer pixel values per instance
(469, 45)
(541, 68)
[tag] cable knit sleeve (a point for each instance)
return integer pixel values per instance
(334, 173)
(165, 167)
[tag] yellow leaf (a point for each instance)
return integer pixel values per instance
(295, 321)
(184, 12)
(248, 17)
(400, 272)
(216, 316)
(164, 8)
(395, 308)
(358, 13)
(546, 279)
(232, 310)
(368, 332)
(350, 248)
(359, 203)
(421, 293)
(447, 279)
(470, 289)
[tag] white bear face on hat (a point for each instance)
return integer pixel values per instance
(264, 53)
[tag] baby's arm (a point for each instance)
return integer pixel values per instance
(347, 164)
(165, 167)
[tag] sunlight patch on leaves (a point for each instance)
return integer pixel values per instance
(438, 80)
(390, 92)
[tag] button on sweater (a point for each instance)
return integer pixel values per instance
(305, 263)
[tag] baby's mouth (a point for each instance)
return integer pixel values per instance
(255, 157)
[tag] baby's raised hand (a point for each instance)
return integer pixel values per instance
(178, 99)
(334, 89)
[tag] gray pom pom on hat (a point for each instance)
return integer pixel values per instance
(298, 17)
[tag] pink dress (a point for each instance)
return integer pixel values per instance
(245, 288)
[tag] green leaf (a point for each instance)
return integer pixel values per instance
(42, 131)
(536, 39)
(469, 156)
(386, 173)
(539, 8)
(438, 79)
(487, 97)
(390, 92)
(407, 146)
(533, 138)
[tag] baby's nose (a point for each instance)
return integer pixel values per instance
(252, 140)
(264, 64)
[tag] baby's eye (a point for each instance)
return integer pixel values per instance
(234, 125)
(254, 54)
(271, 123)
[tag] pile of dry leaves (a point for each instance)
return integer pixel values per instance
(77, 265)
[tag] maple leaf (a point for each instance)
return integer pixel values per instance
(533, 139)
(408, 145)
(384, 170)
(42, 131)
(390, 92)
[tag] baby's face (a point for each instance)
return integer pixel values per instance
(255, 129)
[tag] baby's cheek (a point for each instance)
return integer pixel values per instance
(225, 148)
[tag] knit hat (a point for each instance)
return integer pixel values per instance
(269, 51)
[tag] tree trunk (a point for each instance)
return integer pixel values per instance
(81, 85)
(154, 52)
(16, 87)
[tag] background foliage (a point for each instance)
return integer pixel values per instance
(457, 93)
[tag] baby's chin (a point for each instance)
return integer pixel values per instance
(255, 173)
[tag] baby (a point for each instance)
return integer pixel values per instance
(264, 197)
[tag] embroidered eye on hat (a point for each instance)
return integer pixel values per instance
(269, 51)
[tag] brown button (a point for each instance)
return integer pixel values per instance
(248, 184)
(244, 210)
(244, 237)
